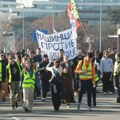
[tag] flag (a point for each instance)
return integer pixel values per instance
(74, 10)
(73, 16)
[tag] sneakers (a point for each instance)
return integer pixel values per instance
(43, 100)
(75, 94)
(68, 105)
(78, 106)
(110, 93)
(104, 93)
(89, 108)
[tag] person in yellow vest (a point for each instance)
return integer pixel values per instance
(117, 75)
(87, 78)
(28, 79)
(3, 83)
(96, 81)
(13, 78)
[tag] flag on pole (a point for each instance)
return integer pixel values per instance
(74, 10)
(73, 16)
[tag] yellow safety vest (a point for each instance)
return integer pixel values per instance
(96, 77)
(9, 71)
(28, 81)
(88, 75)
(0, 71)
(116, 65)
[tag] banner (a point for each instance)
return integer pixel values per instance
(51, 44)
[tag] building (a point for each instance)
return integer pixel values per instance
(89, 10)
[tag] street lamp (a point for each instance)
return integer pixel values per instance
(23, 31)
(53, 17)
(118, 38)
(100, 40)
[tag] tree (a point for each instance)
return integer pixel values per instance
(114, 16)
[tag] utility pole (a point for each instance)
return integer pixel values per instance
(23, 30)
(100, 38)
(53, 17)
(118, 38)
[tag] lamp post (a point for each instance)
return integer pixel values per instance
(53, 17)
(118, 38)
(100, 37)
(23, 31)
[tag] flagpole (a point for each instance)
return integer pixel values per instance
(81, 22)
(82, 26)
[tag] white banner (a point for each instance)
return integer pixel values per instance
(51, 44)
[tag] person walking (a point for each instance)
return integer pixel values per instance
(67, 93)
(56, 83)
(117, 75)
(106, 69)
(86, 69)
(28, 84)
(44, 76)
(75, 61)
(3, 82)
(13, 78)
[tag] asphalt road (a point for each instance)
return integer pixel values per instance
(106, 109)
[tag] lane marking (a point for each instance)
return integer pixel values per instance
(15, 118)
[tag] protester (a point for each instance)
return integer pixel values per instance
(44, 76)
(67, 87)
(3, 82)
(13, 77)
(56, 83)
(117, 75)
(106, 69)
(79, 57)
(61, 54)
(87, 78)
(28, 84)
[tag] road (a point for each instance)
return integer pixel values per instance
(106, 109)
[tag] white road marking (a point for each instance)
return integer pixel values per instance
(15, 118)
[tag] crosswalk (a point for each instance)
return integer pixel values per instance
(106, 104)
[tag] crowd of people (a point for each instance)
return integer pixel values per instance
(26, 75)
